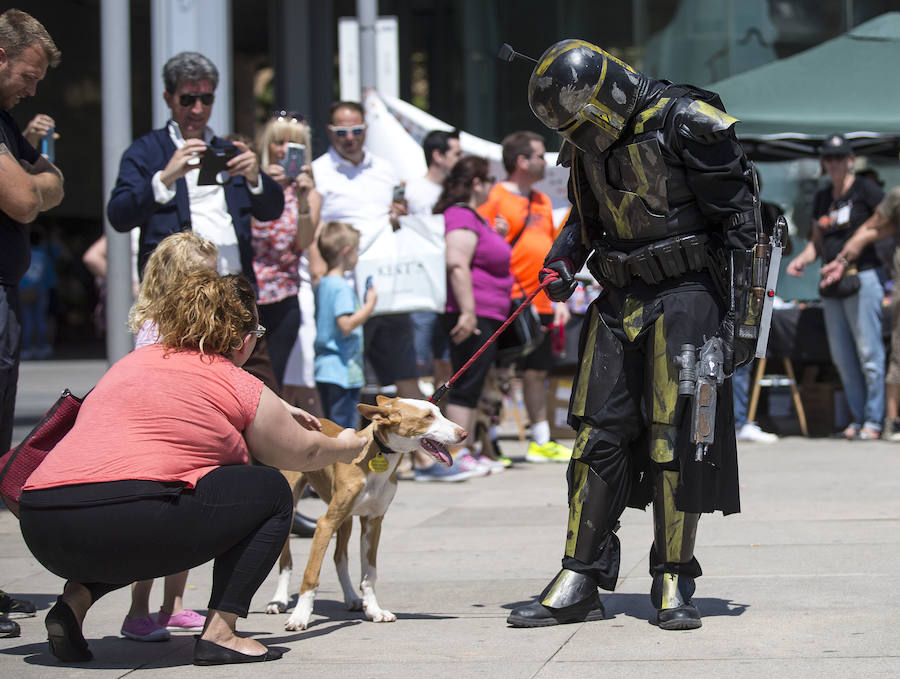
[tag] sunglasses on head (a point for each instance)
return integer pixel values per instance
(342, 131)
(188, 100)
(289, 116)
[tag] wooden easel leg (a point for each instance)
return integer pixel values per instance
(795, 393)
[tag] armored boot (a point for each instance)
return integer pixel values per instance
(570, 597)
(671, 595)
(672, 561)
(591, 546)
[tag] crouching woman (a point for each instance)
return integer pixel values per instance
(155, 476)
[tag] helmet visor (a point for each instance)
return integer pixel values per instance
(594, 129)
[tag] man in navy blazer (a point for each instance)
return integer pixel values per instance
(157, 188)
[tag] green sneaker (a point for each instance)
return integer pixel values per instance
(549, 452)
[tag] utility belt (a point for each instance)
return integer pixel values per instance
(656, 262)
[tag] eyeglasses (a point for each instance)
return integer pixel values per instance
(259, 332)
(833, 158)
(188, 100)
(490, 179)
(342, 130)
(289, 116)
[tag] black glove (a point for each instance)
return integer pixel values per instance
(562, 288)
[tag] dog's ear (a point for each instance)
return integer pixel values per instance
(379, 413)
(381, 399)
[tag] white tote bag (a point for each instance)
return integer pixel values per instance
(408, 267)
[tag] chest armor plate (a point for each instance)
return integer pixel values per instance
(641, 197)
(630, 184)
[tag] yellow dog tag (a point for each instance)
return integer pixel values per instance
(379, 463)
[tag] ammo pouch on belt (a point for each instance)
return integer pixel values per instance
(652, 263)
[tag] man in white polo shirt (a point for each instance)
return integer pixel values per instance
(357, 187)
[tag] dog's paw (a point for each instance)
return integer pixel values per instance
(380, 615)
(276, 607)
(295, 624)
(354, 604)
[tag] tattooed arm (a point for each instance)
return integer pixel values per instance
(49, 181)
(25, 189)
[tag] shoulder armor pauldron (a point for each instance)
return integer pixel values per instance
(702, 122)
(653, 117)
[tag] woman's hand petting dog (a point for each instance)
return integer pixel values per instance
(356, 446)
(305, 420)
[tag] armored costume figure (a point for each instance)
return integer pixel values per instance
(663, 199)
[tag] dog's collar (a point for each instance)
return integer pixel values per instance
(382, 446)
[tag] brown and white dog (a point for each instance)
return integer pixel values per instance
(399, 425)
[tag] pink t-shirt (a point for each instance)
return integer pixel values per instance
(158, 417)
(491, 279)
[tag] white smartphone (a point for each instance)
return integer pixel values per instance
(294, 159)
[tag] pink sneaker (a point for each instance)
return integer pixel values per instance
(144, 629)
(468, 463)
(185, 621)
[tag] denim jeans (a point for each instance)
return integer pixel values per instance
(853, 325)
(740, 387)
(339, 404)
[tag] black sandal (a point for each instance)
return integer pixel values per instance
(67, 642)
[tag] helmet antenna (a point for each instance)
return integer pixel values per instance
(507, 53)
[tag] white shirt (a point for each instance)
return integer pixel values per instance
(357, 194)
(210, 218)
(421, 195)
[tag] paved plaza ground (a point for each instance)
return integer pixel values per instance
(798, 585)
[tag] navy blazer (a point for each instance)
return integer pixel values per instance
(132, 203)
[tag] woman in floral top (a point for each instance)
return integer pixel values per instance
(278, 244)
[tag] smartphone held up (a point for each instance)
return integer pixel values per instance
(294, 159)
(214, 165)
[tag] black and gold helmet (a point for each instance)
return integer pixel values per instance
(584, 93)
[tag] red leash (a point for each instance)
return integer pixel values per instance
(439, 393)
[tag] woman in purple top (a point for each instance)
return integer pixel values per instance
(478, 283)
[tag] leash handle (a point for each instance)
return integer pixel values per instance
(439, 393)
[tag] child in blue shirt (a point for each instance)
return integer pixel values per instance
(339, 320)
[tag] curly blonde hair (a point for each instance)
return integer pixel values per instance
(208, 313)
(175, 257)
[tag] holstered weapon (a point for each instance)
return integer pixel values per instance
(754, 278)
(699, 379)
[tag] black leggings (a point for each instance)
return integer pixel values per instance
(238, 515)
(467, 388)
(282, 322)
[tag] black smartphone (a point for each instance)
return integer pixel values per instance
(368, 283)
(213, 163)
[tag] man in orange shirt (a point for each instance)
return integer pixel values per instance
(530, 217)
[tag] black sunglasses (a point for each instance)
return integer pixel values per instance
(188, 100)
